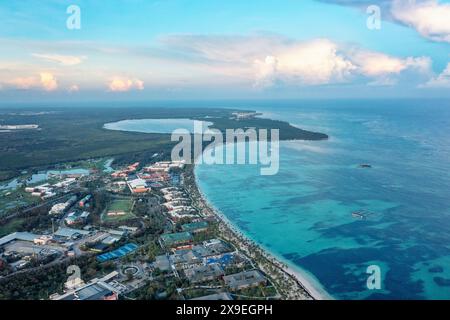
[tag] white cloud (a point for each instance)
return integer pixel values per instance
(440, 81)
(380, 65)
(265, 72)
(322, 61)
(119, 84)
(23, 82)
(61, 59)
(237, 63)
(429, 17)
(272, 60)
(314, 62)
(48, 81)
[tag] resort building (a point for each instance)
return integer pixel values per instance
(162, 263)
(97, 289)
(176, 239)
(184, 259)
(44, 191)
(76, 217)
(70, 234)
(43, 240)
(165, 166)
(204, 273)
(195, 227)
(59, 208)
(18, 236)
(138, 186)
(244, 280)
(82, 203)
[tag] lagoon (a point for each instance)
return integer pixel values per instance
(154, 125)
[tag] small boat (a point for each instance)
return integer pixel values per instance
(358, 215)
(365, 165)
(361, 214)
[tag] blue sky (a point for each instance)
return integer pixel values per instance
(139, 50)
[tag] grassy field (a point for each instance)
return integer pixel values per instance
(121, 205)
(118, 205)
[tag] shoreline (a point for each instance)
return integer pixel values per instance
(292, 283)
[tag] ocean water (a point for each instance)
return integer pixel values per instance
(303, 215)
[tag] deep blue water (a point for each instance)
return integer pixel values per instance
(303, 214)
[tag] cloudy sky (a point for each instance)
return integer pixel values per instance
(210, 49)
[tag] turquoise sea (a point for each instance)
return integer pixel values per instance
(303, 214)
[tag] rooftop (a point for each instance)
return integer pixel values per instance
(204, 273)
(176, 238)
(69, 232)
(244, 279)
(118, 253)
(92, 291)
(24, 236)
(194, 226)
(162, 263)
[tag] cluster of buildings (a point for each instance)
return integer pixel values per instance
(211, 263)
(154, 177)
(244, 115)
(138, 186)
(96, 240)
(125, 172)
(46, 191)
(60, 208)
(165, 166)
(76, 217)
(84, 202)
(207, 261)
(178, 204)
(105, 288)
(150, 176)
(19, 249)
(245, 279)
